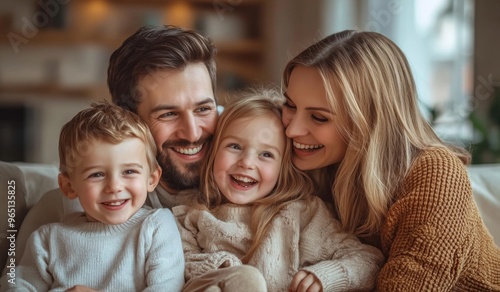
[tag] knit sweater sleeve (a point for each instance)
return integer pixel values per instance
(346, 263)
(428, 231)
(197, 260)
(165, 263)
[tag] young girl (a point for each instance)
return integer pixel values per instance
(352, 112)
(256, 209)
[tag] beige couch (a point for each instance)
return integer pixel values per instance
(31, 181)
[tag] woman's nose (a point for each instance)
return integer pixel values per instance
(296, 127)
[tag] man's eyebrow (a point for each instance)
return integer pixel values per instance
(162, 107)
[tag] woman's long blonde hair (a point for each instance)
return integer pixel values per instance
(371, 89)
(292, 184)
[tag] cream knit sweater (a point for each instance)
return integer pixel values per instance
(302, 236)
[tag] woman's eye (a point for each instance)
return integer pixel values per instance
(288, 104)
(320, 119)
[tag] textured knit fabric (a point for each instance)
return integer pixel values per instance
(142, 254)
(433, 237)
(301, 236)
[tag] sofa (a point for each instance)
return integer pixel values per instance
(23, 184)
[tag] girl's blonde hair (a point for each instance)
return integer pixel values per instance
(292, 184)
(102, 122)
(371, 89)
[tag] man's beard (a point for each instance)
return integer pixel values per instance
(180, 177)
(174, 177)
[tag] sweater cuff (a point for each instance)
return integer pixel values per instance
(332, 275)
(221, 259)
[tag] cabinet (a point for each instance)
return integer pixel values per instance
(67, 49)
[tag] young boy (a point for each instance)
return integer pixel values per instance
(107, 161)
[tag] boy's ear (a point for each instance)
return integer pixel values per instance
(154, 179)
(66, 187)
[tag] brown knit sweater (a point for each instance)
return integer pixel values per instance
(433, 236)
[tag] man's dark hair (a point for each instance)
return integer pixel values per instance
(151, 48)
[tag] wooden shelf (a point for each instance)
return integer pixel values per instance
(97, 92)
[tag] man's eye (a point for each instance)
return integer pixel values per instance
(167, 115)
(204, 110)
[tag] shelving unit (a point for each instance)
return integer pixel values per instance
(234, 26)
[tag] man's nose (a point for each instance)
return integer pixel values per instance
(190, 130)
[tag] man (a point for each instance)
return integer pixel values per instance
(167, 76)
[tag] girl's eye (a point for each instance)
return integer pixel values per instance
(268, 154)
(234, 146)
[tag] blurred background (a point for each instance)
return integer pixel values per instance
(54, 55)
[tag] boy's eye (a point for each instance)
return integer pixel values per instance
(130, 171)
(96, 174)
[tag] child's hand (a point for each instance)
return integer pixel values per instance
(79, 288)
(305, 282)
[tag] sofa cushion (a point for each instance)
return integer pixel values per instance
(485, 181)
(27, 183)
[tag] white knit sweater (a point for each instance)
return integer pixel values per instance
(303, 236)
(142, 254)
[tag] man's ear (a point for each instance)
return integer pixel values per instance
(154, 179)
(66, 187)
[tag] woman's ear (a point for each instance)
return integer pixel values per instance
(66, 187)
(154, 179)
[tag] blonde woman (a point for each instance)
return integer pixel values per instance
(351, 110)
(256, 211)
